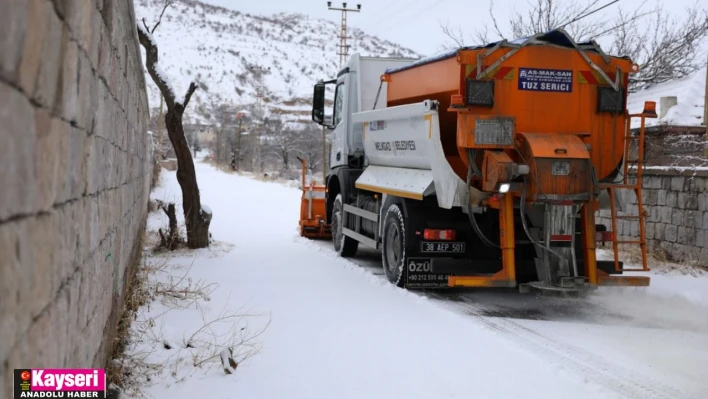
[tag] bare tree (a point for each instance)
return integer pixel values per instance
(225, 117)
(282, 142)
(663, 48)
(310, 148)
(197, 218)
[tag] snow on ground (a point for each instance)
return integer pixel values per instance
(670, 280)
(332, 329)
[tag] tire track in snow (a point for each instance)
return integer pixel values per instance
(625, 382)
(617, 378)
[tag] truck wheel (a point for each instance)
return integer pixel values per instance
(393, 249)
(344, 246)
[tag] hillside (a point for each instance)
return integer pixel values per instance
(216, 47)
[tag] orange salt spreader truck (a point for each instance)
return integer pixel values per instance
(484, 166)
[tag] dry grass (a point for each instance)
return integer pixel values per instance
(223, 341)
(119, 371)
(153, 206)
(178, 289)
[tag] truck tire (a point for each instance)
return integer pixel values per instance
(393, 248)
(344, 246)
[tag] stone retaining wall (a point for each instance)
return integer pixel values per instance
(76, 166)
(676, 203)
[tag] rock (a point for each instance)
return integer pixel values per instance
(17, 146)
(661, 197)
(677, 217)
(677, 183)
(666, 213)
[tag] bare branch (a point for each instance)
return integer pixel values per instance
(188, 96)
(663, 48)
(457, 37)
(159, 19)
(494, 20)
(147, 28)
(151, 55)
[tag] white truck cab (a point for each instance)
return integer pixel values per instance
(355, 89)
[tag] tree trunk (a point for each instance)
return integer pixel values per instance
(172, 240)
(196, 219)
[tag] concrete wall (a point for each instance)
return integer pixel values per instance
(677, 221)
(74, 178)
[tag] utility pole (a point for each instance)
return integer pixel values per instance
(343, 54)
(239, 116)
(259, 97)
(343, 46)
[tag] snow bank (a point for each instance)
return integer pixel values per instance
(690, 93)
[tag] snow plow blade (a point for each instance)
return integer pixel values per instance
(313, 221)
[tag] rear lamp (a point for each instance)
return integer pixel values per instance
(479, 92)
(610, 100)
(444, 235)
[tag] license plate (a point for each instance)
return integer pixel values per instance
(442, 247)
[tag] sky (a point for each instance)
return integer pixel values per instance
(416, 24)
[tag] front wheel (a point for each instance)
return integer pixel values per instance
(393, 249)
(344, 246)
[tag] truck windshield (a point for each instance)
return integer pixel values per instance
(338, 103)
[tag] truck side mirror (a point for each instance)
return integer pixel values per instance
(318, 103)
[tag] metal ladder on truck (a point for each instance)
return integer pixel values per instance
(648, 112)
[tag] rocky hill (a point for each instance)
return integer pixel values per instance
(226, 50)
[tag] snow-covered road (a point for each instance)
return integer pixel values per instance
(339, 330)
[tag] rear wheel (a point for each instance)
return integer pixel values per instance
(393, 249)
(345, 246)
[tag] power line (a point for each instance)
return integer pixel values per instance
(343, 46)
(578, 18)
(410, 16)
(379, 12)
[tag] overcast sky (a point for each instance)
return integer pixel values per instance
(416, 23)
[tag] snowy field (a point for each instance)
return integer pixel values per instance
(325, 327)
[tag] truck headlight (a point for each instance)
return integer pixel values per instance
(504, 188)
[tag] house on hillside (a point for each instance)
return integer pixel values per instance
(678, 136)
(205, 133)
